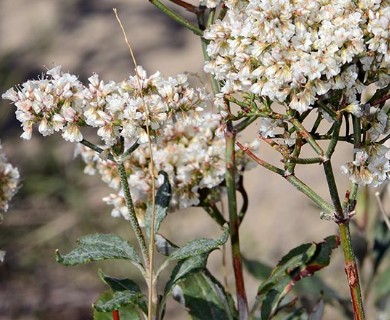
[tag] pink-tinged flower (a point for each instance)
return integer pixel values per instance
(60, 102)
(72, 133)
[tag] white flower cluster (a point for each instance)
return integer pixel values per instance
(295, 51)
(192, 155)
(9, 181)
(60, 102)
(370, 167)
(372, 162)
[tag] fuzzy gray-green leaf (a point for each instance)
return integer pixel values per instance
(100, 247)
(199, 246)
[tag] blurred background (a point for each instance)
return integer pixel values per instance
(57, 203)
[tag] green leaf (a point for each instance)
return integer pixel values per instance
(163, 197)
(300, 262)
(204, 297)
(119, 284)
(100, 247)
(120, 299)
(199, 246)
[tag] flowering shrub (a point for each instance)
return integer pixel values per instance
(296, 67)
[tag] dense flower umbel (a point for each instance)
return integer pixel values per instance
(192, 155)
(9, 181)
(295, 51)
(299, 55)
(60, 102)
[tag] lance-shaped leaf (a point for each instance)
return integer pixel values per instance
(100, 247)
(204, 297)
(163, 197)
(199, 246)
(300, 262)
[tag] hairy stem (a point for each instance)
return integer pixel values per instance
(133, 218)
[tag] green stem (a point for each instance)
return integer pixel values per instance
(306, 160)
(96, 148)
(173, 15)
(244, 123)
(215, 214)
(335, 139)
(133, 218)
(333, 190)
(234, 223)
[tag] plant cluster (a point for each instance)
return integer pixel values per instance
(313, 74)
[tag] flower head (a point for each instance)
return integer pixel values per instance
(295, 51)
(60, 102)
(191, 154)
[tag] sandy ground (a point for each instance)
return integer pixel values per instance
(84, 37)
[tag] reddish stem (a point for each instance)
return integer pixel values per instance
(115, 315)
